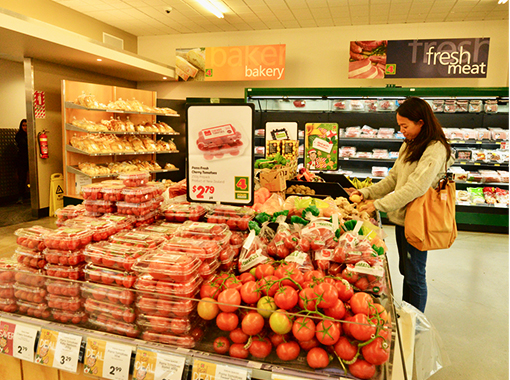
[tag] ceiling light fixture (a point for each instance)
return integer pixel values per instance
(99, 59)
(211, 8)
(165, 78)
(502, 1)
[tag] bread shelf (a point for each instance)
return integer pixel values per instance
(75, 170)
(72, 149)
(74, 128)
(79, 107)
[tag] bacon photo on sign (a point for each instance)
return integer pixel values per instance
(367, 59)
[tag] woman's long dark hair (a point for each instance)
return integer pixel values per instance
(20, 125)
(416, 109)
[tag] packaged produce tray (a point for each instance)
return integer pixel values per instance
(9, 305)
(113, 255)
(167, 230)
(63, 287)
(167, 338)
(92, 191)
(205, 250)
(174, 326)
(7, 270)
(163, 265)
(119, 312)
(30, 257)
(29, 276)
(105, 322)
(147, 219)
(32, 237)
(165, 306)
(120, 222)
(135, 239)
(114, 295)
(181, 212)
(32, 309)
(99, 206)
(7, 290)
(65, 271)
(57, 256)
(67, 316)
(236, 218)
(113, 193)
(109, 276)
(35, 294)
(69, 212)
(68, 238)
(167, 288)
(64, 303)
(135, 179)
(139, 194)
(135, 209)
(206, 231)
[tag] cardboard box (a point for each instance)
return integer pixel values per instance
(272, 179)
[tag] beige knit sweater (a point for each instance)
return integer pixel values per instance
(408, 181)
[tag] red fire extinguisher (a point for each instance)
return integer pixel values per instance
(43, 144)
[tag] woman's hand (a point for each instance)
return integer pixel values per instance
(355, 196)
(368, 206)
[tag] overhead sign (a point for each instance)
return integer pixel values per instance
(231, 63)
(432, 58)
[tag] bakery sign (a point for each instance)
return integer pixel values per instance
(433, 58)
(231, 63)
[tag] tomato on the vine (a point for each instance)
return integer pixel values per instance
(378, 351)
(288, 350)
(314, 275)
(221, 345)
(229, 300)
(210, 289)
(286, 298)
(264, 270)
(260, 347)
(308, 299)
(269, 285)
(336, 311)
(303, 329)
(328, 332)
(345, 290)
(362, 369)
(345, 349)
(307, 345)
(362, 328)
(227, 321)
(327, 295)
(238, 336)
(252, 323)
(317, 357)
(237, 350)
(363, 303)
(250, 292)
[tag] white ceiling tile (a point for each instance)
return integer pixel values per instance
(317, 4)
(359, 9)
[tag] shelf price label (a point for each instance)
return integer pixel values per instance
(107, 359)
(6, 338)
(152, 365)
(46, 347)
(203, 370)
(24, 342)
(67, 351)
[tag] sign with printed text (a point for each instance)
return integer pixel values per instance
(67, 351)
(220, 153)
(231, 63)
(6, 338)
(46, 347)
(321, 146)
(23, 342)
(39, 105)
(203, 370)
(152, 365)
(107, 359)
(94, 357)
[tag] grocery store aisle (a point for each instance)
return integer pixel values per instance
(467, 303)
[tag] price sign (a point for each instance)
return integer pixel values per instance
(6, 337)
(24, 342)
(152, 365)
(67, 351)
(117, 358)
(203, 192)
(46, 347)
(204, 370)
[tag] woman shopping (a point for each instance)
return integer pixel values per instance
(422, 161)
(22, 143)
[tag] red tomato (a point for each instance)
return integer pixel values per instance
(231, 298)
(328, 332)
(327, 295)
(260, 347)
(238, 336)
(269, 285)
(246, 276)
(362, 329)
(378, 351)
(286, 298)
(209, 289)
(264, 270)
(362, 369)
(249, 292)
(313, 275)
(336, 311)
(237, 350)
(252, 323)
(303, 329)
(362, 303)
(221, 345)
(345, 290)
(288, 350)
(345, 349)
(307, 299)
(227, 321)
(317, 358)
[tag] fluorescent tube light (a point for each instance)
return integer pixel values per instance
(211, 8)
(502, 1)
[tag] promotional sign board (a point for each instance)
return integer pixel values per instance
(321, 146)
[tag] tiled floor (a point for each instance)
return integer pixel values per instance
(468, 299)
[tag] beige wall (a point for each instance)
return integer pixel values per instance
(47, 78)
(319, 57)
(58, 15)
(12, 94)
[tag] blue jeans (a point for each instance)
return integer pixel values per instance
(412, 263)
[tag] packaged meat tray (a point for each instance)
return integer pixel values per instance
(68, 238)
(135, 209)
(9, 305)
(64, 302)
(99, 206)
(64, 271)
(357, 105)
(347, 151)
(352, 132)
(35, 294)
(379, 171)
(120, 312)
(491, 106)
(167, 338)
(504, 175)
(111, 294)
(113, 193)
(138, 194)
(32, 309)
(181, 212)
(380, 153)
(386, 105)
(462, 105)
(207, 231)
(450, 106)
(109, 276)
(475, 106)
(92, 191)
(147, 219)
(163, 265)
(166, 229)
(30, 257)
(7, 270)
(215, 142)
(69, 316)
(57, 256)
(165, 306)
(63, 287)
(482, 134)
(205, 250)
(386, 133)
(32, 237)
(7, 290)
(69, 212)
(463, 154)
(168, 288)
(105, 322)
(438, 105)
(474, 177)
(498, 134)
(135, 179)
(120, 222)
(236, 218)
(112, 255)
(29, 276)
(159, 324)
(490, 176)
(136, 239)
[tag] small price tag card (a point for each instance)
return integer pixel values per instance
(210, 371)
(6, 338)
(94, 357)
(152, 365)
(46, 347)
(67, 351)
(24, 342)
(117, 358)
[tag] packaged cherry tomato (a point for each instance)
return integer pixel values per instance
(7, 290)
(32, 309)
(320, 234)
(352, 248)
(7, 270)
(105, 322)
(207, 231)
(160, 324)
(168, 288)
(236, 218)
(64, 271)
(237, 239)
(366, 277)
(217, 141)
(63, 287)
(147, 219)
(29, 276)
(109, 276)
(205, 250)
(138, 194)
(69, 212)
(30, 257)
(68, 316)
(120, 222)
(159, 187)
(136, 239)
(64, 303)
(9, 305)
(135, 209)
(66, 238)
(135, 179)
(119, 312)
(30, 293)
(181, 212)
(157, 202)
(227, 259)
(99, 206)
(111, 255)
(167, 230)
(165, 306)
(57, 256)
(167, 338)
(113, 193)
(113, 295)
(32, 237)
(169, 266)
(208, 270)
(92, 192)
(284, 242)
(102, 229)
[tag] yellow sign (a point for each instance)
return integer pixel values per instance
(46, 348)
(210, 371)
(94, 357)
(203, 370)
(145, 363)
(56, 193)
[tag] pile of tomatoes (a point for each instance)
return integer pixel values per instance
(30, 257)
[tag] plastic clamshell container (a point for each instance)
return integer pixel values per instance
(68, 316)
(136, 239)
(29, 276)
(165, 306)
(30, 293)
(109, 276)
(65, 271)
(219, 140)
(32, 237)
(9, 305)
(181, 212)
(120, 312)
(111, 255)
(167, 230)
(135, 209)
(102, 229)
(167, 338)
(147, 219)
(114, 295)
(208, 269)
(160, 324)
(7, 290)
(92, 191)
(201, 230)
(113, 193)
(30, 257)
(57, 256)
(134, 179)
(157, 201)
(63, 287)
(205, 250)
(138, 194)
(69, 212)
(68, 238)
(105, 322)
(159, 187)
(64, 303)
(168, 266)
(7, 270)
(100, 206)
(120, 222)
(32, 309)
(168, 288)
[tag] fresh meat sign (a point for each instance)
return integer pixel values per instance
(438, 58)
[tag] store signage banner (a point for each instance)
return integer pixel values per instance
(321, 146)
(231, 63)
(433, 58)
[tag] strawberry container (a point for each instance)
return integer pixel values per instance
(32, 309)
(32, 237)
(217, 141)
(111, 255)
(99, 206)
(64, 303)
(167, 338)
(165, 306)
(7, 270)
(236, 218)
(207, 231)
(68, 316)
(105, 322)
(57, 256)
(160, 324)
(119, 312)
(138, 194)
(109, 276)
(9, 305)
(69, 212)
(113, 193)
(167, 230)
(63, 287)
(168, 288)
(111, 294)
(205, 250)
(135, 209)
(29, 276)
(7, 290)
(35, 294)
(64, 271)
(30, 257)
(68, 238)
(168, 266)
(92, 192)
(147, 219)
(181, 212)
(134, 179)
(136, 239)
(119, 222)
